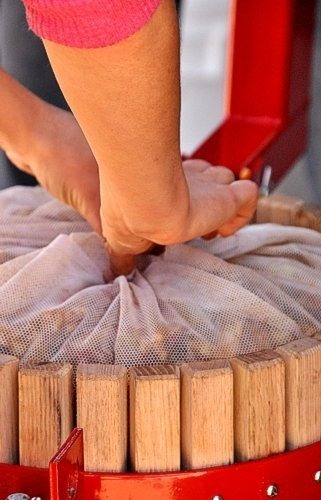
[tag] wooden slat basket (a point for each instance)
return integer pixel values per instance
(169, 418)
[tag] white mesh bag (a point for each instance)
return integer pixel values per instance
(255, 290)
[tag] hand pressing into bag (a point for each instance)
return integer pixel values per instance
(171, 204)
(217, 200)
(210, 201)
(126, 98)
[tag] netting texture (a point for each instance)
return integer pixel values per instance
(255, 290)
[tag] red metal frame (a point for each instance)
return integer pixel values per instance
(292, 472)
(66, 467)
(266, 123)
(267, 89)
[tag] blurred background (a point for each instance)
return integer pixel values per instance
(204, 30)
(204, 33)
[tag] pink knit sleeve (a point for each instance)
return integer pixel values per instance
(88, 23)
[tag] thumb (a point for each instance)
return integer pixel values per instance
(245, 193)
(122, 264)
(119, 263)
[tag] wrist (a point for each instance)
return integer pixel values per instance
(160, 219)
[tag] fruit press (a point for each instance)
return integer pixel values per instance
(266, 124)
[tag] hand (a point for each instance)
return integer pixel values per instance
(62, 162)
(215, 203)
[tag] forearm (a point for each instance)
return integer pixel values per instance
(126, 98)
(19, 114)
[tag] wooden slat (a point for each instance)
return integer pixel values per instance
(155, 418)
(278, 208)
(206, 414)
(303, 391)
(310, 217)
(259, 405)
(45, 411)
(289, 211)
(102, 414)
(8, 409)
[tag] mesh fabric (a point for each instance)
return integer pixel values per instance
(256, 290)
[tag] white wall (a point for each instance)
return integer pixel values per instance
(203, 33)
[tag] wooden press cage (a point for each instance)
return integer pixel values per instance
(170, 418)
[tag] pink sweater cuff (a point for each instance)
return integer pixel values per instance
(88, 23)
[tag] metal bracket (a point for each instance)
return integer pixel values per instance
(65, 468)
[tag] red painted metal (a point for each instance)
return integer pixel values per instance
(17, 479)
(292, 472)
(267, 87)
(66, 467)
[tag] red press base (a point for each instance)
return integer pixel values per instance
(294, 475)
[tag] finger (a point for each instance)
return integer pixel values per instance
(122, 264)
(221, 175)
(246, 193)
(221, 204)
(233, 226)
(245, 213)
(119, 263)
(199, 165)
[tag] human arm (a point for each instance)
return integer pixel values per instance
(47, 142)
(126, 99)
